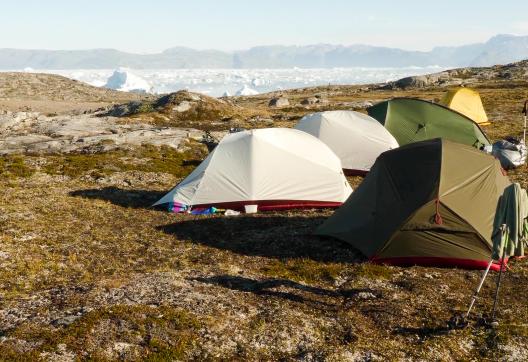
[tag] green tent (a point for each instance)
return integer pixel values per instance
(412, 120)
(430, 203)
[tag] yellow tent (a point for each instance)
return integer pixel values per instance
(466, 101)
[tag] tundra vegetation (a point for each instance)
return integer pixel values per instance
(89, 271)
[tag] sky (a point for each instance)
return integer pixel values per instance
(151, 26)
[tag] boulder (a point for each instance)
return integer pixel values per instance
(126, 109)
(357, 104)
(194, 96)
(419, 81)
(279, 102)
(317, 99)
(183, 106)
(309, 101)
(505, 75)
(65, 321)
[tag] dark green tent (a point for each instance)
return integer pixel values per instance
(431, 203)
(411, 120)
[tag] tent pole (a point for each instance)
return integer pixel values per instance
(477, 291)
(504, 230)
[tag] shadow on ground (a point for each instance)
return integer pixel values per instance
(289, 290)
(423, 333)
(275, 236)
(121, 197)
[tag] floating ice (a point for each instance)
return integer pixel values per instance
(246, 91)
(124, 80)
(215, 82)
(256, 82)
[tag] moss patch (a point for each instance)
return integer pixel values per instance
(14, 166)
(303, 270)
(151, 159)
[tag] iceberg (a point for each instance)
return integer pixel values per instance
(246, 91)
(124, 80)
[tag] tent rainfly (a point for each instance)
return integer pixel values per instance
(411, 120)
(274, 168)
(466, 101)
(428, 203)
(356, 138)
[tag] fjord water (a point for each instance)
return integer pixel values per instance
(218, 82)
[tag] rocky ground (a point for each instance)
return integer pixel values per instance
(53, 94)
(34, 133)
(88, 271)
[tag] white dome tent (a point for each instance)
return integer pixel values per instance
(356, 138)
(274, 168)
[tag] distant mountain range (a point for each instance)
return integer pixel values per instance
(500, 49)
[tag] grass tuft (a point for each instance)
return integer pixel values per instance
(14, 166)
(303, 270)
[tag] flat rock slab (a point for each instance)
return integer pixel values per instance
(25, 132)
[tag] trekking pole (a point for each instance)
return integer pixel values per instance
(477, 291)
(503, 231)
(525, 113)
